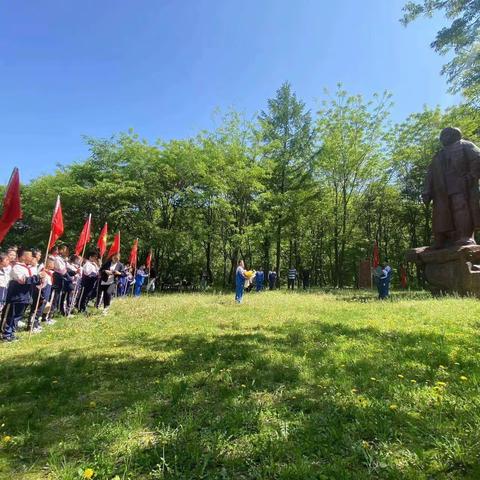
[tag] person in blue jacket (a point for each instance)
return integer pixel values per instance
(384, 281)
(19, 294)
(259, 280)
(239, 281)
(140, 277)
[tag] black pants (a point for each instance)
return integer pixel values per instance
(14, 314)
(107, 291)
(87, 292)
(291, 283)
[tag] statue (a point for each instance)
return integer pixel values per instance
(452, 184)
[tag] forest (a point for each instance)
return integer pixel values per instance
(290, 187)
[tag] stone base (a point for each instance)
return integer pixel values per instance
(449, 270)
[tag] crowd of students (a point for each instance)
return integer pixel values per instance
(33, 292)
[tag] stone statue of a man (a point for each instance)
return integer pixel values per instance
(452, 185)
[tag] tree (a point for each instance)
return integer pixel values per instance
(462, 37)
(287, 137)
(351, 139)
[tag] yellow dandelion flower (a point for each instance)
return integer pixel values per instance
(88, 473)
(393, 407)
(354, 390)
(413, 381)
(463, 378)
(400, 375)
(6, 439)
(92, 404)
(441, 384)
(373, 379)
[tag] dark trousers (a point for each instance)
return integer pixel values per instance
(36, 298)
(14, 314)
(291, 283)
(107, 291)
(87, 292)
(46, 297)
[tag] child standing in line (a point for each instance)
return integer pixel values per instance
(19, 292)
(4, 278)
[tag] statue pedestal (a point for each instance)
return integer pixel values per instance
(449, 270)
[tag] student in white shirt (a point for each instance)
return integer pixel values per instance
(4, 278)
(89, 281)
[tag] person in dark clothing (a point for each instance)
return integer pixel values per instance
(259, 280)
(89, 281)
(306, 278)
(272, 279)
(384, 281)
(110, 272)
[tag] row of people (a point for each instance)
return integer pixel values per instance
(37, 291)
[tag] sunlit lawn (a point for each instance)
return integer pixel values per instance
(285, 386)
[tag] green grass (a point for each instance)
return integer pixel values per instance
(285, 386)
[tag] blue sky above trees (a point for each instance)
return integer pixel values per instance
(162, 67)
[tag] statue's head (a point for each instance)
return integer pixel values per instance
(450, 135)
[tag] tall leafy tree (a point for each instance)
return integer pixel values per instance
(351, 138)
(287, 136)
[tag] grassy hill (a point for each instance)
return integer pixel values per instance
(285, 386)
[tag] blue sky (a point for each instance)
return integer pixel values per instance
(161, 67)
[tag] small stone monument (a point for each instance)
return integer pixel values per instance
(365, 274)
(452, 263)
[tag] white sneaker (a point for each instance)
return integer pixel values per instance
(21, 324)
(37, 330)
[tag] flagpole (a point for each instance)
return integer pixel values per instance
(135, 271)
(99, 279)
(149, 268)
(32, 318)
(75, 293)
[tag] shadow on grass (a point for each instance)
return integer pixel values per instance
(275, 403)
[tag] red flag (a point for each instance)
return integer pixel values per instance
(115, 247)
(57, 224)
(376, 256)
(85, 236)
(403, 276)
(102, 240)
(148, 261)
(12, 207)
(134, 254)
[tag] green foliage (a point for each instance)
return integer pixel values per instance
(287, 386)
(287, 189)
(352, 138)
(461, 37)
